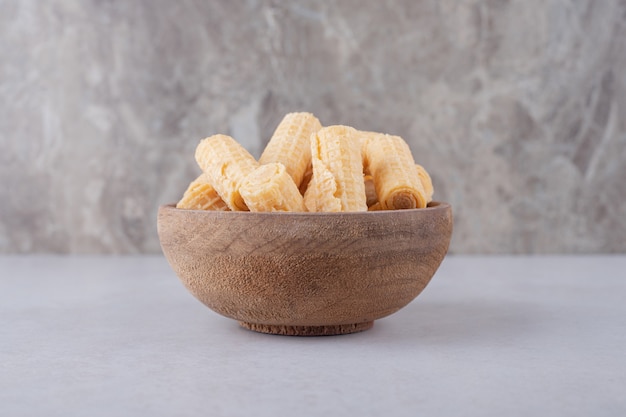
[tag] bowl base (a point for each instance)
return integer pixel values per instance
(308, 330)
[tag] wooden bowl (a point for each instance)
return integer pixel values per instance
(305, 273)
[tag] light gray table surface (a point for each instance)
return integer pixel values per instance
(501, 336)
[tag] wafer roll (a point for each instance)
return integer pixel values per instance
(364, 137)
(320, 194)
(306, 179)
(226, 164)
(337, 183)
(427, 182)
(396, 177)
(290, 144)
(200, 195)
(271, 188)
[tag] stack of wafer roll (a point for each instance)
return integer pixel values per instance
(308, 167)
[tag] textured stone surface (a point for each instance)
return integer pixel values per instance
(517, 108)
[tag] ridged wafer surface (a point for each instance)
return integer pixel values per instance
(396, 178)
(337, 183)
(306, 179)
(321, 191)
(290, 144)
(271, 188)
(226, 164)
(200, 195)
(364, 136)
(427, 182)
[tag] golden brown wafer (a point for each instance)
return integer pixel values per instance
(396, 178)
(427, 182)
(337, 183)
(290, 144)
(200, 195)
(226, 164)
(271, 188)
(306, 179)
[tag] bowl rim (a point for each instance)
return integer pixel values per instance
(433, 206)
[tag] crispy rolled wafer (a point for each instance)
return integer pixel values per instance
(320, 194)
(271, 188)
(375, 207)
(364, 137)
(337, 183)
(306, 179)
(200, 195)
(370, 190)
(226, 164)
(290, 144)
(397, 182)
(310, 197)
(427, 182)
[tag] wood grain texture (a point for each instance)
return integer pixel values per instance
(327, 271)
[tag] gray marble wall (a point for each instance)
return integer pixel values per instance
(516, 107)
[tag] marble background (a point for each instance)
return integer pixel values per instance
(517, 108)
